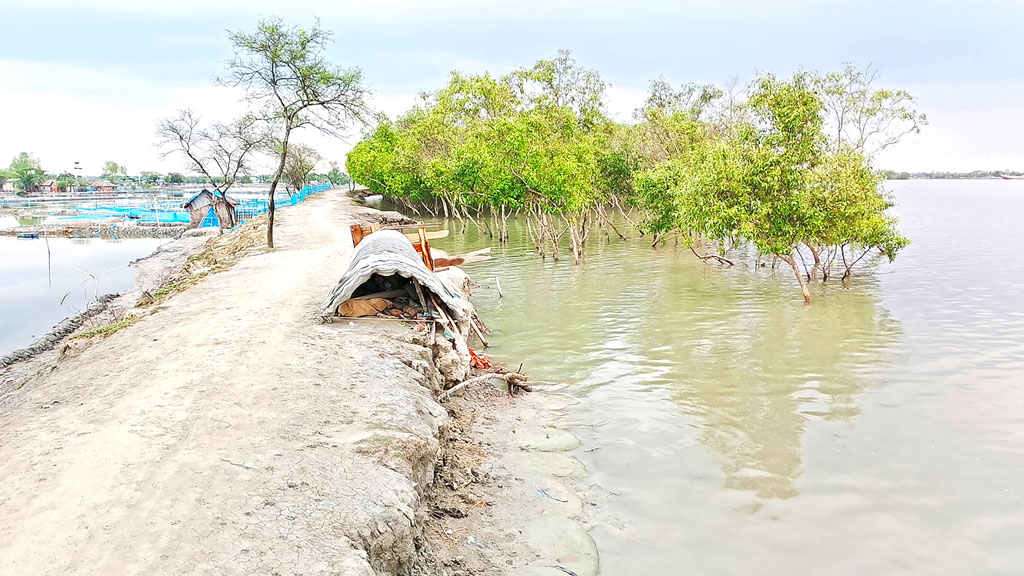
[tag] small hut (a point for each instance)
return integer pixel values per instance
(387, 277)
(211, 209)
(103, 186)
(385, 266)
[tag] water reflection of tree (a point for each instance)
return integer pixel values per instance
(754, 367)
(29, 220)
(746, 361)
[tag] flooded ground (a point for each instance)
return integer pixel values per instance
(33, 283)
(730, 429)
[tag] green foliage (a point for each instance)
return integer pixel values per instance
(114, 172)
(774, 180)
(301, 163)
(284, 71)
(863, 117)
(783, 167)
(108, 329)
(26, 171)
(973, 174)
(174, 178)
(66, 181)
(336, 177)
(673, 122)
(535, 139)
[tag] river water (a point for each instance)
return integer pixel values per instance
(33, 283)
(727, 428)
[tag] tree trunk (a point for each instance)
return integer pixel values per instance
(788, 259)
(547, 227)
(503, 236)
(273, 187)
(816, 252)
(575, 240)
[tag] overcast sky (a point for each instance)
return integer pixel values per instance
(88, 80)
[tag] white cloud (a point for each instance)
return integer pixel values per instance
(94, 115)
(103, 115)
(622, 100)
(418, 10)
(972, 126)
(446, 62)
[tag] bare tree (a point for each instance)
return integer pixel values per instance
(284, 70)
(302, 162)
(222, 153)
(863, 117)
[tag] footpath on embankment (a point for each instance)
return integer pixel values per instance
(229, 431)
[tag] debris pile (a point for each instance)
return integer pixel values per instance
(396, 275)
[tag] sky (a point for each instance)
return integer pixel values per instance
(88, 81)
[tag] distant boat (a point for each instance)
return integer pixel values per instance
(28, 235)
(1006, 177)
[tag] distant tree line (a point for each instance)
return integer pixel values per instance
(974, 174)
(25, 173)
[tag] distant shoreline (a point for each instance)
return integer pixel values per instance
(972, 175)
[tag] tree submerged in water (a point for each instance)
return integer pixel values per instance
(784, 167)
(776, 180)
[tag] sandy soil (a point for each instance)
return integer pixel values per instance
(231, 432)
(227, 433)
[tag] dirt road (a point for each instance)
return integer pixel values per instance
(228, 433)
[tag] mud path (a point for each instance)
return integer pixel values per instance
(227, 433)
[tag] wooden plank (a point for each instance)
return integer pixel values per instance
(430, 235)
(479, 333)
(357, 234)
(407, 226)
(440, 311)
(419, 294)
(459, 260)
(425, 249)
(388, 294)
(339, 319)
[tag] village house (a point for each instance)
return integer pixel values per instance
(45, 187)
(103, 185)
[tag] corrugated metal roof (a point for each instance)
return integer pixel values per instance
(386, 253)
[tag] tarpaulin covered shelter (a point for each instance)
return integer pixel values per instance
(389, 253)
(214, 206)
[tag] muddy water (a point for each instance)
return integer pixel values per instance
(39, 288)
(730, 429)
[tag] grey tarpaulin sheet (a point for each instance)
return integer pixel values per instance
(389, 252)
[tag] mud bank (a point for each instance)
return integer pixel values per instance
(227, 430)
(152, 272)
(96, 231)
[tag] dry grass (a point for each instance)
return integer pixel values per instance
(108, 329)
(220, 253)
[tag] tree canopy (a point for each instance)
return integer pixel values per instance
(286, 75)
(114, 172)
(26, 171)
(534, 140)
(300, 166)
(784, 166)
(222, 153)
